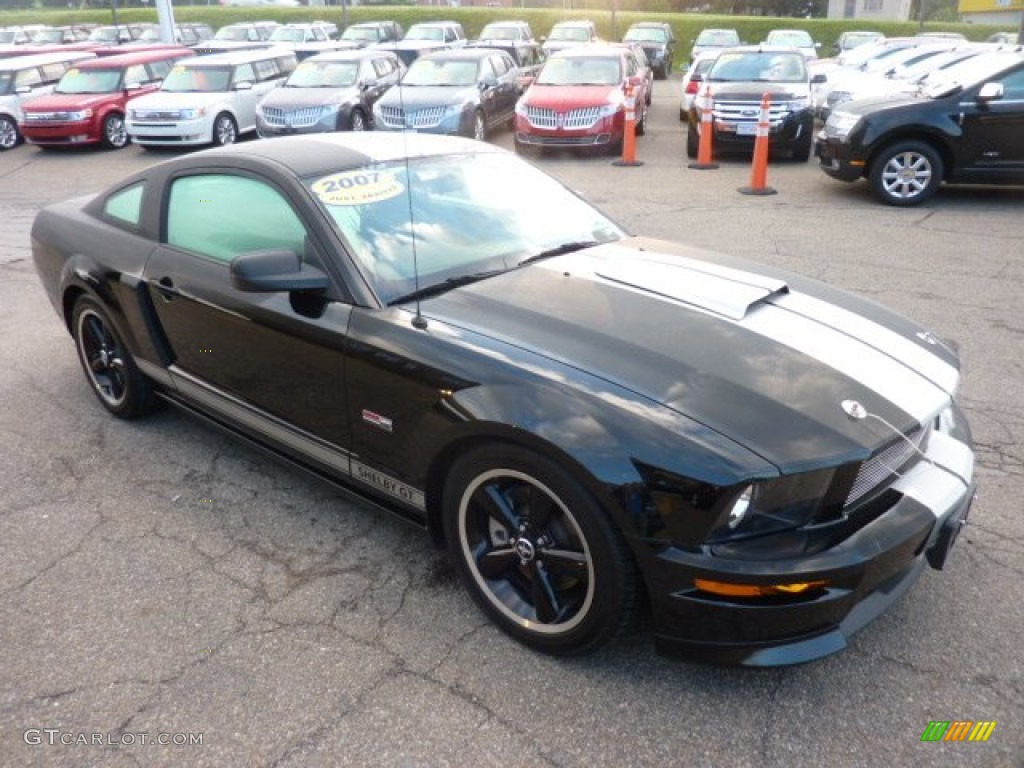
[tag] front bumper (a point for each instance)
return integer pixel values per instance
(783, 134)
(604, 131)
(836, 160)
(862, 576)
(171, 133)
(61, 134)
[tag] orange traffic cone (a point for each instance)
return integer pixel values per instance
(707, 129)
(629, 132)
(759, 170)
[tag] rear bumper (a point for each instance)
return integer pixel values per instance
(862, 576)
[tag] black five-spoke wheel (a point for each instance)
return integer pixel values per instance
(536, 551)
(108, 366)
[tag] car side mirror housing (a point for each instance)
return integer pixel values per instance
(990, 91)
(275, 271)
(244, 85)
(819, 78)
(368, 82)
(488, 82)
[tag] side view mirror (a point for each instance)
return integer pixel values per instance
(488, 82)
(275, 271)
(990, 92)
(368, 82)
(819, 78)
(244, 85)
(23, 89)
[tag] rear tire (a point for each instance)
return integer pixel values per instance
(538, 554)
(692, 143)
(107, 362)
(9, 136)
(357, 120)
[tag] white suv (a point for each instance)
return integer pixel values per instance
(208, 99)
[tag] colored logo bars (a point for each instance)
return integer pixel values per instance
(958, 730)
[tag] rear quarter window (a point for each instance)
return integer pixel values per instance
(125, 205)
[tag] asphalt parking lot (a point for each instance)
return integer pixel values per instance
(162, 582)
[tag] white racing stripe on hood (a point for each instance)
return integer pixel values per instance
(858, 360)
(885, 362)
(900, 348)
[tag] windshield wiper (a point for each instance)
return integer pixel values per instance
(558, 250)
(435, 289)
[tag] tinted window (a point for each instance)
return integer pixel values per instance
(27, 77)
(1013, 86)
(136, 74)
(125, 205)
(53, 72)
(221, 216)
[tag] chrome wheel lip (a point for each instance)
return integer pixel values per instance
(907, 175)
(8, 134)
(488, 587)
(102, 358)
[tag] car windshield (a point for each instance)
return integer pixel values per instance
(758, 67)
(718, 38)
(104, 35)
(324, 74)
(455, 72)
(425, 33)
(283, 35)
(854, 39)
(357, 33)
(646, 35)
(232, 33)
(90, 81)
(197, 79)
(473, 214)
(795, 39)
(577, 34)
(580, 70)
(47, 36)
(499, 32)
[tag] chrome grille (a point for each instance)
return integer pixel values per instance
(295, 118)
(47, 117)
(428, 117)
(885, 464)
(748, 112)
(542, 117)
(146, 114)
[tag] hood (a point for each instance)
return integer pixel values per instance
(754, 91)
(881, 103)
(290, 98)
(764, 359)
(563, 97)
(68, 102)
(413, 96)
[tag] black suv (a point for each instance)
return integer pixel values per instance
(738, 79)
(964, 129)
(659, 43)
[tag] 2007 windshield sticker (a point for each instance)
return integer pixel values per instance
(357, 188)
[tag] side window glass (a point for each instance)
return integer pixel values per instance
(135, 74)
(125, 205)
(27, 77)
(159, 69)
(1013, 86)
(221, 216)
(243, 73)
(53, 72)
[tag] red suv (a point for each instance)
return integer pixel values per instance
(579, 100)
(88, 104)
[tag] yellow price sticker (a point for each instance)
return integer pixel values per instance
(357, 187)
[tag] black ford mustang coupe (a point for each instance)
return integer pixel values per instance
(584, 418)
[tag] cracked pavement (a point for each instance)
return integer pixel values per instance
(161, 577)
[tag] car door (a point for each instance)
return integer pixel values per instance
(508, 91)
(246, 99)
(992, 128)
(273, 362)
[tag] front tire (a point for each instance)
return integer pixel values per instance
(357, 121)
(115, 135)
(225, 131)
(692, 143)
(108, 364)
(536, 551)
(9, 136)
(479, 126)
(906, 173)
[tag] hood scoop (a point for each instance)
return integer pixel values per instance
(727, 292)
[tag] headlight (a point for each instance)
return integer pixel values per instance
(191, 114)
(770, 506)
(840, 124)
(521, 107)
(82, 114)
